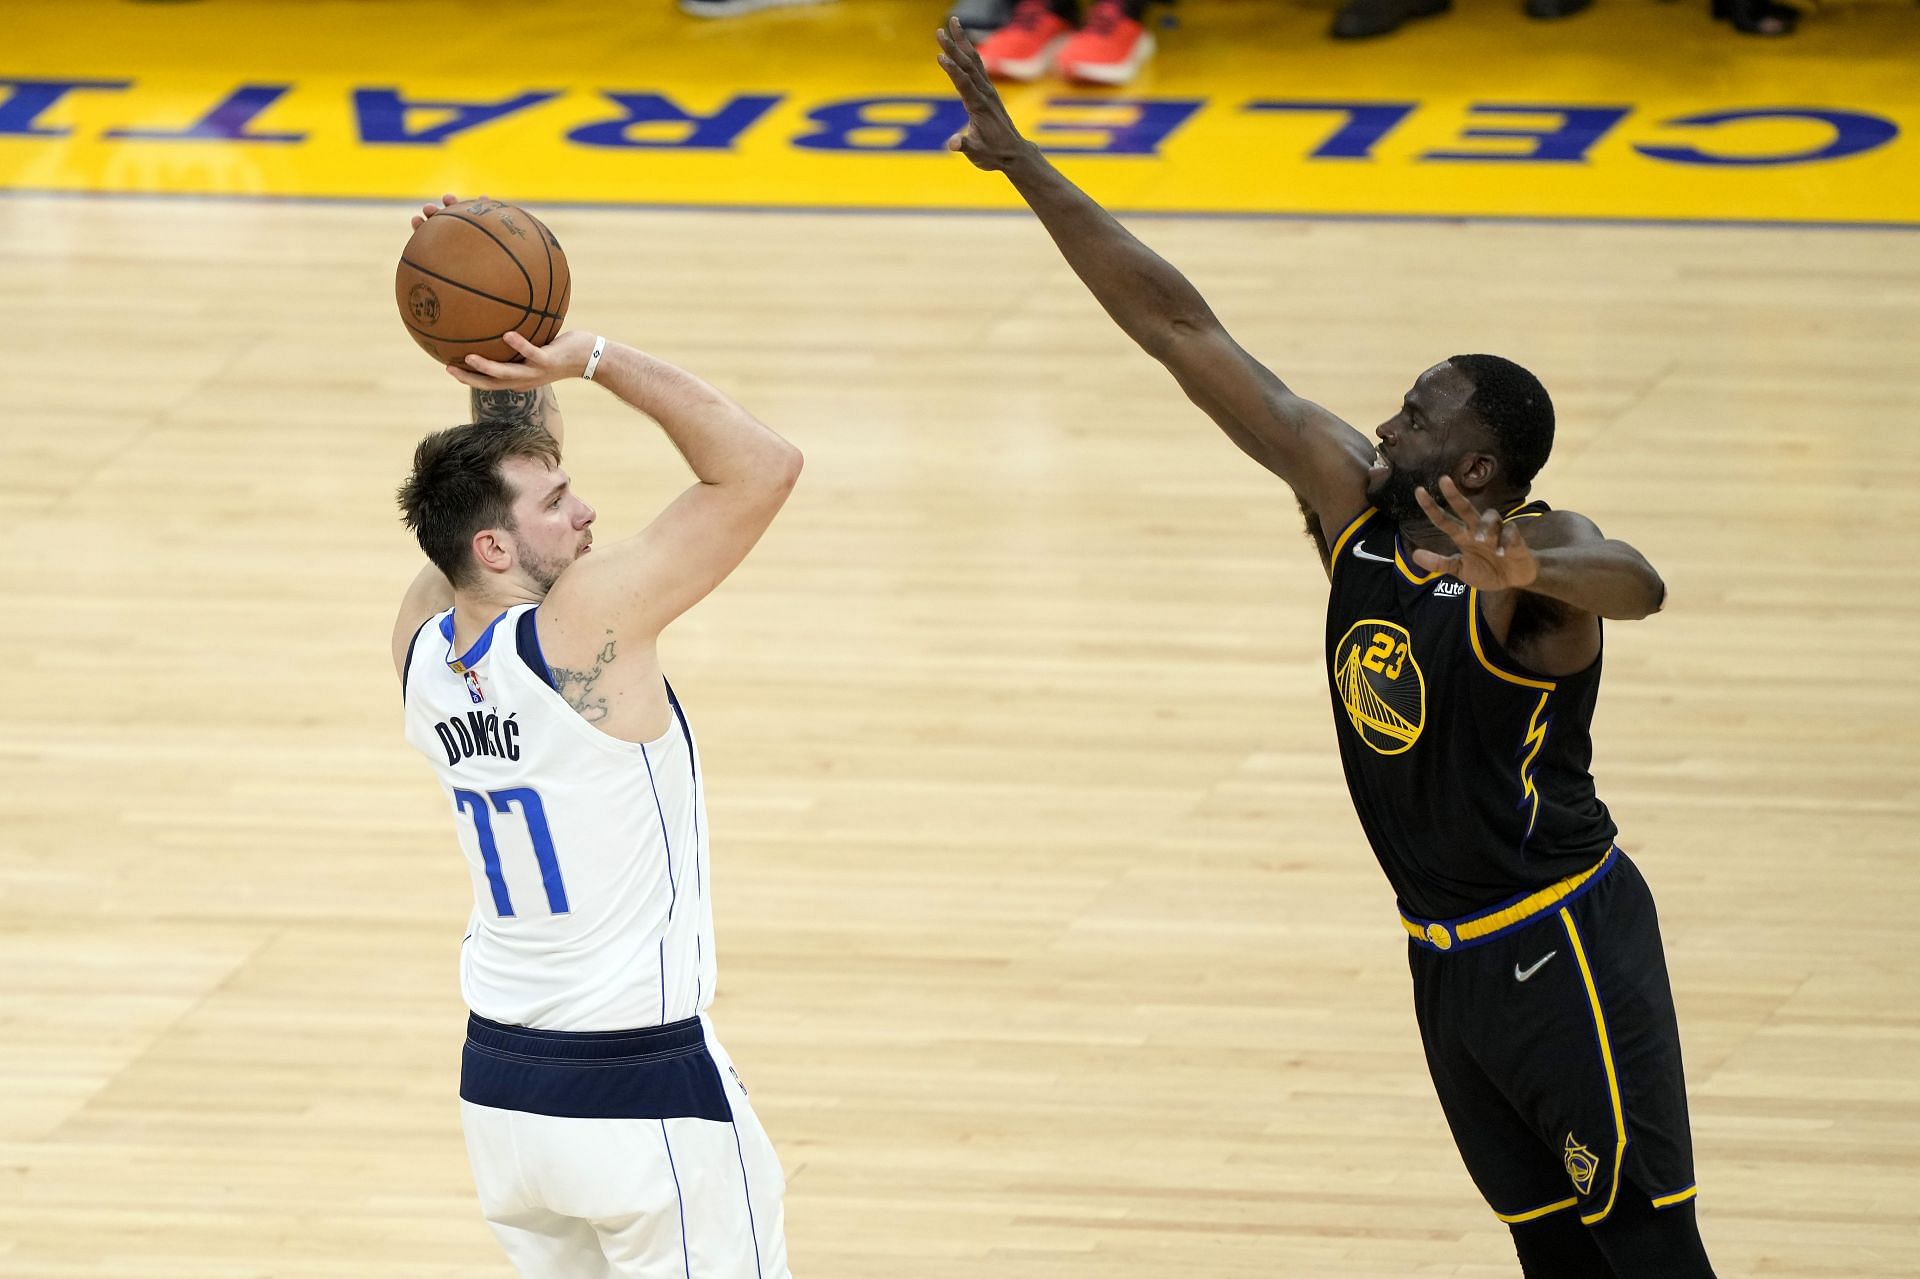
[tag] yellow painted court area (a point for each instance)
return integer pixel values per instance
(1633, 110)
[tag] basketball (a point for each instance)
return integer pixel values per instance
(475, 271)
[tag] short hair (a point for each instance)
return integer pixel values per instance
(1517, 410)
(456, 488)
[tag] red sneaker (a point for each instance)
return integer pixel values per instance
(1109, 49)
(1024, 48)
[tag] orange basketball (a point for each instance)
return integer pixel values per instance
(477, 270)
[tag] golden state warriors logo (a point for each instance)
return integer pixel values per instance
(1381, 685)
(1581, 1165)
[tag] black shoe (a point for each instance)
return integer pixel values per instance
(1550, 9)
(981, 18)
(1757, 17)
(1359, 19)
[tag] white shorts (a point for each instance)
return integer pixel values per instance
(623, 1153)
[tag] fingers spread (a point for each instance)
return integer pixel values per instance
(963, 82)
(957, 43)
(1457, 501)
(1431, 508)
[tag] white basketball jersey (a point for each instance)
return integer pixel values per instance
(588, 854)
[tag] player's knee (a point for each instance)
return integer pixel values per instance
(1558, 1247)
(1641, 1241)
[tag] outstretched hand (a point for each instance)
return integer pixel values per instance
(1493, 556)
(989, 140)
(564, 357)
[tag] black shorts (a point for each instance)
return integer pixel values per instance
(1555, 1051)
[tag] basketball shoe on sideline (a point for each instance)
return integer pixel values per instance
(981, 18)
(1110, 49)
(1024, 48)
(734, 8)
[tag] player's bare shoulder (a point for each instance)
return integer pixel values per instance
(591, 685)
(429, 595)
(608, 673)
(1347, 474)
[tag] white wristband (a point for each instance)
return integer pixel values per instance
(593, 361)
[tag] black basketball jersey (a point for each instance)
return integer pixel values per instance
(1468, 771)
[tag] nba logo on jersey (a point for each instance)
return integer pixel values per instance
(473, 688)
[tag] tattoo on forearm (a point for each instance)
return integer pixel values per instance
(512, 406)
(578, 686)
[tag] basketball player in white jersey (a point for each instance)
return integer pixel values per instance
(608, 1132)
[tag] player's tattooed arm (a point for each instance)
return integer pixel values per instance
(579, 687)
(539, 406)
(506, 406)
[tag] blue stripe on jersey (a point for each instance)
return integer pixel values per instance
(693, 772)
(471, 658)
(699, 878)
(673, 890)
(527, 639)
(660, 1072)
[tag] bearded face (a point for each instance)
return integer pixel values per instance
(551, 526)
(1393, 492)
(545, 570)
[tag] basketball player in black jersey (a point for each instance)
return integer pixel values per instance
(1463, 654)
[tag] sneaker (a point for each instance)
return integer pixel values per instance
(734, 8)
(1024, 48)
(981, 18)
(1364, 19)
(1109, 49)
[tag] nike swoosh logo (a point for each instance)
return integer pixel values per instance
(1521, 975)
(1365, 554)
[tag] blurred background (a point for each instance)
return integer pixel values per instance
(1049, 945)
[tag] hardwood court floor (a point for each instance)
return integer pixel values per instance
(1050, 945)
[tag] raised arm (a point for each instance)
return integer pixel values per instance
(430, 592)
(743, 470)
(1320, 456)
(539, 406)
